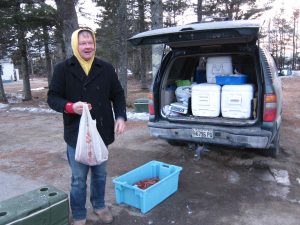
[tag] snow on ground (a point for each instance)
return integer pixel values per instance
(295, 73)
(32, 109)
(130, 115)
(3, 106)
(281, 176)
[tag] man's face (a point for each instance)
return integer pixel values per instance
(86, 47)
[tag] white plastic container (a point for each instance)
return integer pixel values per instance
(236, 101)
(206, 100)
(219, 65)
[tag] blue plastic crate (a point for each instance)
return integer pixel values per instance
(128, 193)
(231, 79)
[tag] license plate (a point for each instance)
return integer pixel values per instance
(203, 133)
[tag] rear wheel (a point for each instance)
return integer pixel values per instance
(275, 149)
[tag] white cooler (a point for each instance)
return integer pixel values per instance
(206, 100)
(236, 101)
(219, 65)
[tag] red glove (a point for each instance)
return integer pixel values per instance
(69, 107)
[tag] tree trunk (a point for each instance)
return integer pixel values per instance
(24, 66)
(47, 54)
(2, 92)
(157, 22)
(141, 7)
(295, 18)
(68, 19)
(22, 45)
(199, 10)
(122, 39)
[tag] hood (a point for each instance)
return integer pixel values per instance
(86, 65)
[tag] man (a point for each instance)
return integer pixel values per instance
(83, 78)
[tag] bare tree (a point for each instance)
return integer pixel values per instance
(122, 42)
(22, 45)
(2, 92)
(173, 9)
(295, 18)
(199, 10)
(281, 35)
(68, 20)
(142, 50)
(157, 22)
(47, 53)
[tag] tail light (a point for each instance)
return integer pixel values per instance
(270, 107)
(150, 104)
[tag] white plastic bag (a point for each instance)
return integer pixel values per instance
(95, 152)
(183, 93)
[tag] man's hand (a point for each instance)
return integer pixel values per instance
(119, 126)
(78, 106)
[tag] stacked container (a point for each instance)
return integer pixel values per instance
(206, 100)
(236, 101)
(219, 65)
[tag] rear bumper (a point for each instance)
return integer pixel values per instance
(249, 137)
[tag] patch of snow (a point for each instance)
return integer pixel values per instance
(266, 176)
(233, 177)
(33, 110)
(138, 116)
(296, 73)
(3, 106)
(189, 211)
(298, 180)
(37, 89)
(280, 192)
(14, 97)
(281, 176)
(130, 115)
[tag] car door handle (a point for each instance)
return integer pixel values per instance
(187, 29)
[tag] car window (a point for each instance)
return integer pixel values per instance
(183, 68)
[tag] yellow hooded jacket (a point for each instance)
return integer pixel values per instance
(86, 65)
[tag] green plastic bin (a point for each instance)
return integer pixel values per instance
(141, 105)
(44, 206)
(180, 83)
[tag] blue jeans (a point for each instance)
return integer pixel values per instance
(78, 185)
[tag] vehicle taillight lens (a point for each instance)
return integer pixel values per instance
(150, 104)
(270, 107)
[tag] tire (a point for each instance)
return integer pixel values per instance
(275, 149)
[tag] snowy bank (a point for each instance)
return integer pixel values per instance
(130, 115)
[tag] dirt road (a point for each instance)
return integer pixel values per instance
(226, 186)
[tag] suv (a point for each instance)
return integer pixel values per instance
(215, 85)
